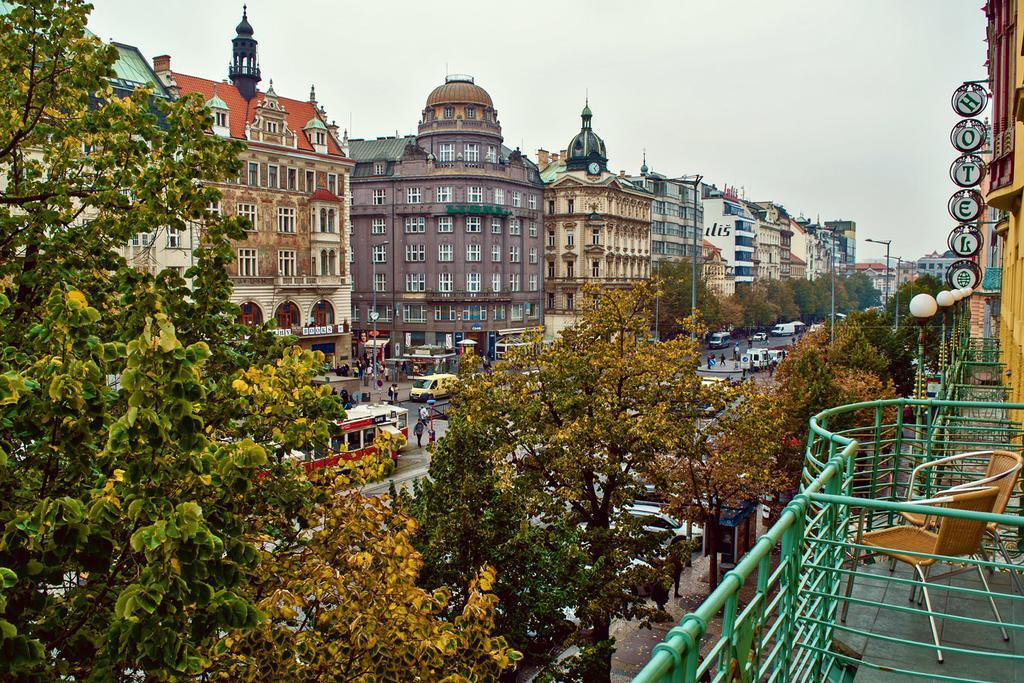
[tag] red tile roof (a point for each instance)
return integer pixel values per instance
(869, 266)
(241, 112)
(709, 245)
(323, 195)
(793, 258)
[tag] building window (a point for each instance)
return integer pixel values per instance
(287, 316)
(570, 238)
(379, 197)
(415, 282)
(496, 282)
(531, 201)
(415, 253)
(415, 224)
(532, 309)
(293, 179)
(444, 312)
(384, 311)
(471, 151)
(323, 313)
(595, 236)
(515, 227)
(380, 284)
(517, 200)
(251, 314)
(570, 301)
(551, 270)
(247, 211)
(533, 282)
(272, 176)
(248, 264)
(445, 252)
(473, 224)
(173, 238)
(474, 194)
(499, 196)
(570, 269)
(444, 282)
(380, 253)
(332, 183)
(572, 206)
(254, 174)
(513, 253)
(445, 224)
(446, 152)
(595, 268)
(551, 300)
(495, 226)
(472, 282)
(413, 195)
(378, 226)
(355, 313)
(475, 312)
(551, 206)
(449, 112)
(513, 282)
(495, 253)
(517, 311)
(533, 228)
(310, 181)
(414, 313)
(286, 263)
(472, 252)
(470, 112)
(499, 312)
(221, 119)
(444, 194)
(533, 254)
(551, 238)
(285, 219)
(271, 126)
(492, 154)
(380, 168)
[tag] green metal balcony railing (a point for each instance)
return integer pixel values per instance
(788, 625)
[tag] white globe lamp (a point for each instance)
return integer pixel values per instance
(923, 307)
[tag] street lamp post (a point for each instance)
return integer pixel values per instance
(887, 244)
(922, 307)
(696, 250)
(899, 269)
(945, 301)
(832, 264)
(430, 429)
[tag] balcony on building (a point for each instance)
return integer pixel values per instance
(806, 604)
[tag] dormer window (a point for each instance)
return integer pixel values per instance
(449, 112)
(220, 119)
(320, 138)
(379, 168)
(271, 126)
(470, 112)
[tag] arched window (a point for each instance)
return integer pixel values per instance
(323, 313)
(330, 220)
(251, 314)
(324, 264)
(323, 220)
(287, 315)
(332, 261)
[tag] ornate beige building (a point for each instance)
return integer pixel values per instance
(717, 272)
(597, 226)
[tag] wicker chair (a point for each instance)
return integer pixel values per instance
(1002, 471)
(956, 537)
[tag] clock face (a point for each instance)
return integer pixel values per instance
(593, 169)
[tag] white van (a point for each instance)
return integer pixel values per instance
(719, 340)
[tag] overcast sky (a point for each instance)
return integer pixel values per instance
(829, 107)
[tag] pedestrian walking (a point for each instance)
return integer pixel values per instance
(721, 360)
(418, 431)
(393, 394)
(345, 399)
(771, 369)
(736, 352)
(424, 413)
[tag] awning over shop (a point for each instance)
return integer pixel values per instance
(376, 343)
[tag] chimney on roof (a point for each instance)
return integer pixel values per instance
(542, 158)
(162, 69)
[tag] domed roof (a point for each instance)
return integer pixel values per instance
(459, 89)
(244, 28)
(586, 146)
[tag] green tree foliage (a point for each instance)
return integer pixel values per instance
(144, 496)
(564, 448)
(676, 284)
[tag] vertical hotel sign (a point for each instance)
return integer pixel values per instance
(966, 206)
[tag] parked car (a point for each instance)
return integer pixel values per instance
(656, 521)
(759, 337)
(719, 340)
(432, 386)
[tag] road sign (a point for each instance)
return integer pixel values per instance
(969, 99)
(962, 274)
(965, 206)
(968, 136)
(967, 170)
(965, 240)
(374, 316)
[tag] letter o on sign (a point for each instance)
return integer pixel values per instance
(968, 136)
(965, 206)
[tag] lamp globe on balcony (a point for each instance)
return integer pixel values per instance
(957, 294)
(945, 299)
(923, 307)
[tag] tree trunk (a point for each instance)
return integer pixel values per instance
(601, 672)
(711, 532)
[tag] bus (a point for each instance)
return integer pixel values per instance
(359, 431)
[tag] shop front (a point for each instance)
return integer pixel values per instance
(334, 341)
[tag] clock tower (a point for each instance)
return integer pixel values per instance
(586, 150)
